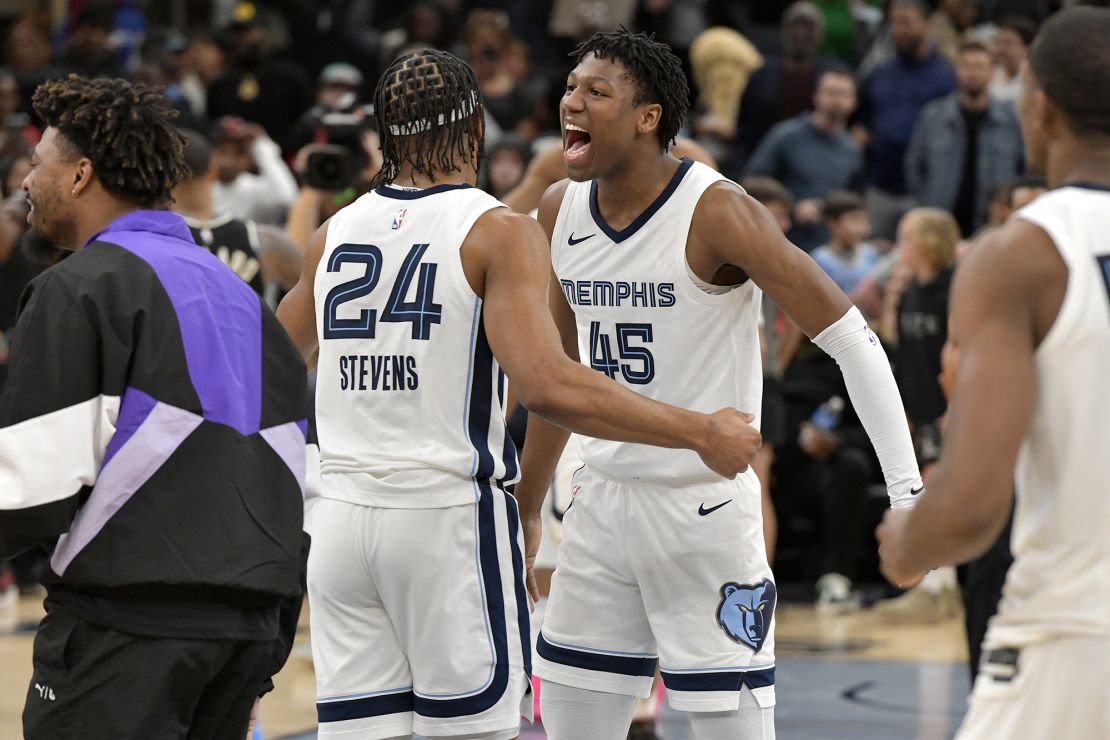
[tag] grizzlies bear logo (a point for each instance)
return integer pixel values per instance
(745, 612)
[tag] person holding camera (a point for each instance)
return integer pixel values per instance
(334, 173)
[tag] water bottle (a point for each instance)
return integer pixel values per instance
(827, 415)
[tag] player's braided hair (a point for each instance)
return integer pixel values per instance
(652, 67)
(125, 130)
(429, 113)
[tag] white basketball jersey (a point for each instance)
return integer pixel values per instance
(408, 394)
(1059, 583)
(643, 322)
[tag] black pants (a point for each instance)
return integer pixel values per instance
(832, 490)
(90, 683)
(981, 581)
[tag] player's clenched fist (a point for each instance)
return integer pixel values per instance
(732, 442)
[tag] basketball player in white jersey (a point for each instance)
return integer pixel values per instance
(417, 295)
(659, 265)
(1031, 327)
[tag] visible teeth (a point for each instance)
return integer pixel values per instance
(572, 127)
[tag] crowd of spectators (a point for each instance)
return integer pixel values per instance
(860, 111)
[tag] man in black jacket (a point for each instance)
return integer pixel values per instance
(151, 438)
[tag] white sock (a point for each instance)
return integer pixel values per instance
(579, 714)
(748, 722)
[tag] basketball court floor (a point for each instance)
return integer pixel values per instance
(839, 678)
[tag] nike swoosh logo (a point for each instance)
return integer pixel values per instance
(571, 241)
(914, 492)
(703, 511)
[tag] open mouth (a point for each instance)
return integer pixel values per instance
(577, 143)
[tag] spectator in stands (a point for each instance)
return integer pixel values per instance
(204, 62)
(506, 163)
(891, 97)
(16, 131)
(237, 148)
(927, 240)
(28, 54)
(813, 154)
(88, 51)
(1012, 39)
(964, 144)
(949, 22)
(16, 268)
(821, 471)
(262, 255)
(917, 326)
(784, 86)
(847, 258)
(338, 90)
(489, 49)
(428, 23)
(270, 92)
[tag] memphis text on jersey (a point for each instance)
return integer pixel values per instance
(605, 293)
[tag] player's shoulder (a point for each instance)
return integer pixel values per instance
(725, 201)
(501, 224)
(1017, 259)
(1018, 246)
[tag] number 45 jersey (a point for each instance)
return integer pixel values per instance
(408, 394)
(644, 322)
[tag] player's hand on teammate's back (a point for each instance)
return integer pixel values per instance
(892, 560)
(532, 525)
(732, 442)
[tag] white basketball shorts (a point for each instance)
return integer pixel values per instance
(651, 572)
(1051, 689)
(419, 619)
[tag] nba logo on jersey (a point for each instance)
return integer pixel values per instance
(399, 218)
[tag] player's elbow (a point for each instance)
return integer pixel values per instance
(538, 399)
(547, 390)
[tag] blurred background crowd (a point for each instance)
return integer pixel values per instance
(882, 134)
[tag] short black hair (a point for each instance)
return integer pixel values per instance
(919, 5)
(1071, 62)
(839, 202)
(838, 68)
(767, 190)
(1023, 27)
(126, 131)
(654, 70)
(429, 114)
(197, 154)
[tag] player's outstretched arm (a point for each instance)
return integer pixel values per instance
(1006, 294)
(297, 311)
(731, 228)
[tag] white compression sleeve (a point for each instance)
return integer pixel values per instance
(875, 398)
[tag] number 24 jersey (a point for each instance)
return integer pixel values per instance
(409, 398)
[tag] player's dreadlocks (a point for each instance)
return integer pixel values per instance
(429, 113)
(655, 70)
(125, 130)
